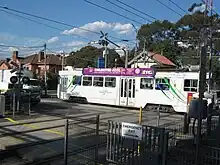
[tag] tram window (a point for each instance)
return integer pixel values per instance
(98, 81)
(122, 87)
(146, 83)
(64, 81)
(161, 84)
(191, 85)
(133, 93)
(77, 80)
(129, 88)
(110, 82)
(87, 81)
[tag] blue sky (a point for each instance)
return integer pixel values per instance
(18, 31)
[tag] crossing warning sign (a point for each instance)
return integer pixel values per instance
(132, 131)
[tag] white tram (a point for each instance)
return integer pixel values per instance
(131, 87)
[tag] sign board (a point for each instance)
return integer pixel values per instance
(101, 62)
(143, 72)
(132, 131)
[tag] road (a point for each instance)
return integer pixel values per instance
(55, 107)
(51, 113)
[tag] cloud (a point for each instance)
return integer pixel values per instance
(200, 8)
(74, 44)
(52, 40)
(6, 36)
(97, 26)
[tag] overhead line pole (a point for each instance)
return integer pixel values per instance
(202, 82)
(211, 46)
(45, 68)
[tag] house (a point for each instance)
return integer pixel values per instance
(10, 63)
(146, 59)
(37, 63)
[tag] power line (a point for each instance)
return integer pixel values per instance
(113, 12)
(174, 3)
(128, 11)
(15, 46)
(52, 27)
(210, 8)
(168, 7)
(136, 9)
(58, 22)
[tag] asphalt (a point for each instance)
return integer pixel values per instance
(52, 112)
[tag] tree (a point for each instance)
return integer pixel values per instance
(88, 57)
(159, 36)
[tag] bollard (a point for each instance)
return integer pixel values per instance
(140, 122)
(140, 116)
(186, 124)
(97, 136)
(158, 116)
(66, 142)
(2, 104)
(14, 104)
(29, 104)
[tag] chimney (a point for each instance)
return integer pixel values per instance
(40, 56)
(14, 56)
(8, 59)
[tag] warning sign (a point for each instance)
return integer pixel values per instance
(132, 131)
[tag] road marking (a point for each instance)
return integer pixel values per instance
(35, 127)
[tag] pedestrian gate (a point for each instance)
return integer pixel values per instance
(150, 150)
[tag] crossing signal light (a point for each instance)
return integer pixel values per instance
(14, 79)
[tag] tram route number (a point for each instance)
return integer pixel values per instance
(132, 131)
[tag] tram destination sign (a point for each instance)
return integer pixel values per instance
(131, 131)
(143, 72)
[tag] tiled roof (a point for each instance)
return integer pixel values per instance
(6, 63)
(161, 59)
(155, 56)
(50, 60)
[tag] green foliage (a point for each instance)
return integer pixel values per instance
(88, 57)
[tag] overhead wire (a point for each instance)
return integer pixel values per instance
(52, 27)
(58, 22)
(16, 46)
(210, 8)
(128, 11)
(174, 3)
(169, 8)
(131, 7)
(113, 12)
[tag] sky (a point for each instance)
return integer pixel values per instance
(16, 31)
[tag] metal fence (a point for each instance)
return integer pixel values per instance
(17, 105)
(182, 147)
(150, 150)
(85, 142)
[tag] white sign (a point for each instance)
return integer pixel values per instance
(132, 131)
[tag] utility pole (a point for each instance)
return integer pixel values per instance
(211, 46)
(105, 54)
(45, 68)
(202, 82)
(63, 55)
(136, 40)
(106, 41)
(19, 87)
(126, 58)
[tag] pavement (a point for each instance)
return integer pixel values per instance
(51, 112)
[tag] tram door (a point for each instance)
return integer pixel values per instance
(127, 92)
(63, 86)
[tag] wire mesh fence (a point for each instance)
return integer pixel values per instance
(128, 151)
(182, 146)
(18, 104)
(85, 142)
